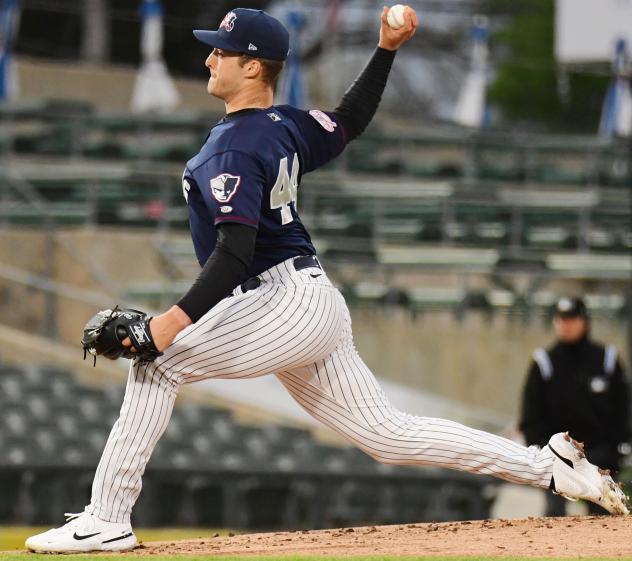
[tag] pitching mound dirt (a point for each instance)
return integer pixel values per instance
(587, 536)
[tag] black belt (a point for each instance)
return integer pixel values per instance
(306, 261)
(302, 262)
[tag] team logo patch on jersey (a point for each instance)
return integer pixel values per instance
(274, 117)
(229, 21)
(224, 186)
(324, 120)
(226, 209)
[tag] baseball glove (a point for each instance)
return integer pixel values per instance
(106, 330)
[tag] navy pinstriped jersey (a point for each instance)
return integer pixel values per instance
(248, 172)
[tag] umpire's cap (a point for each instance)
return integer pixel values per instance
(251, 32)
(571, 307)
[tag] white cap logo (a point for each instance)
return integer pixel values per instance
(564, 305)
(229, 21)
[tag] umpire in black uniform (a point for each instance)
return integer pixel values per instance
(577, 385)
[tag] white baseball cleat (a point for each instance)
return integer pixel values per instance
(84, 532)
(574, 477)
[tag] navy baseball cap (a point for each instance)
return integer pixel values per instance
(251, 32)
(567, 307)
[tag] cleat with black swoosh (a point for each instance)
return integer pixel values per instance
(84, 532)
(574, 477)
(79, 538)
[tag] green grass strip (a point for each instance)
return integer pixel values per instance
(86, 557)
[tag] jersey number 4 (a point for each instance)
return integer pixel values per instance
(285, 190)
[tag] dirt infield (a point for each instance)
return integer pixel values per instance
(586, 536)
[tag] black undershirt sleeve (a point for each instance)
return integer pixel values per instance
(226, 267)
(359, 104)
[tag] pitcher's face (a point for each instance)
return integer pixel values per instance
(226, 73)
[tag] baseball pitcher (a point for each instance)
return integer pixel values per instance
(263, 303)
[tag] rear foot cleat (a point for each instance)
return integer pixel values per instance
(574, 477)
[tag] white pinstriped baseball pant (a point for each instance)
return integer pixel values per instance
(295, 325)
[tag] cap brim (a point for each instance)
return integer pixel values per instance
(570, 314)
(213, 39)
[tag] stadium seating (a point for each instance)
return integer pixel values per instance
(439, 199)
(66, 127)
(438, 186)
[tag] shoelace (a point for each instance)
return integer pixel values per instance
(74, 519)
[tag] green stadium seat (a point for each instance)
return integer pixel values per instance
(605, 303)
(93, 441)
(67, 424)
(435, 170)
(104, 149)
(161, 151)
(475, 213)
(501, 173)
(543, 299)
(494, 232)
(501, 299)
(601, 238)
(473, 259)
(567, 199)
(615, 169)
(369, 292)
(40, 408)
(74, 454)
(91, 406)
(346, 249)
(399, 229)
(12, 388)
(435, 298)
(458, 232)
(590, 265)
(204, 446)
(16, 422)
(556, 176)
(332, 224)
(548, 236)
(15, 453)
(59, 213)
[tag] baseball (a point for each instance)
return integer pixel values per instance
(395, 16)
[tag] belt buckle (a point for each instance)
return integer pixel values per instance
(306, 261)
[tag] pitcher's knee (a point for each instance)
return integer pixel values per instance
(381, 456)
(389, 460)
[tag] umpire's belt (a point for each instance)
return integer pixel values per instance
(302, 262)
